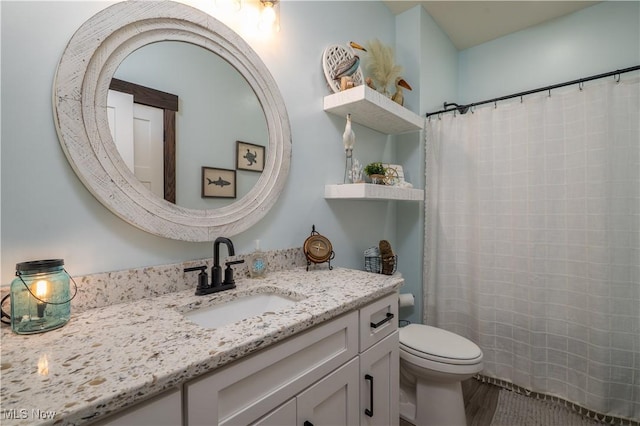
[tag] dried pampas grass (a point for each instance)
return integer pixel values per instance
(381, 64)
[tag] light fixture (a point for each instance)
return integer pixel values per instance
(40, 297)
(269, 20)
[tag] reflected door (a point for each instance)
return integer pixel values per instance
(120, 114)
(148, 147)
(138, 132)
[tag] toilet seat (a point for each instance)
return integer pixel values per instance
(438, 345)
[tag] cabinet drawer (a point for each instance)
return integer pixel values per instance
(164, 409)
(246, 390)
(378, 320)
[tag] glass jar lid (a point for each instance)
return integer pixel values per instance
(36, 266)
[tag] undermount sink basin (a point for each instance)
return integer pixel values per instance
(239, 309)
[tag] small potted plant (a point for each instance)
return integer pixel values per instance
(376, 172)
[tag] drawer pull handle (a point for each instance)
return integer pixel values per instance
(307, 423)
(369, 411)
(388, 318)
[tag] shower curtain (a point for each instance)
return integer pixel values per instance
(532, 240)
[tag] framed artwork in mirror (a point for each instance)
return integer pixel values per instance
(249, 156)
(218, 183)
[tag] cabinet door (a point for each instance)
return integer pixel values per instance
(333, 400)
(283, 415)
(379, 383)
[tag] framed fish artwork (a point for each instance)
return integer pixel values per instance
(249, 156)
(218, 183)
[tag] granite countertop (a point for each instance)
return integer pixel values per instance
(108, 358)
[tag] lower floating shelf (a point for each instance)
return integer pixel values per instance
(368, 191)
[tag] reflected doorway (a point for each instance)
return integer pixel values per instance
(142, 122)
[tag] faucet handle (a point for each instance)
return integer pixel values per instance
(228, 272)
(195, 268)
(203, 279)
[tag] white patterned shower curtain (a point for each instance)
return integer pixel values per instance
(532, 240)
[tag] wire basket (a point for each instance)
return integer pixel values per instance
(373, 262)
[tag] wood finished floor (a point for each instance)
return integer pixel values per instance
(480, 402)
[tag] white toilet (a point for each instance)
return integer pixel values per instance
(433, 362)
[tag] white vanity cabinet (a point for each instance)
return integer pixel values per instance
(379, 362)
(379, 383)
(245, 391)
(318, 377)
(283, 415)
(162, 410)
(331, 401)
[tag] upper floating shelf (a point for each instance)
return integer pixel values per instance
(374, 110)
(368, 191)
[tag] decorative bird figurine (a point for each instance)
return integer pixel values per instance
(349, 66)
(398, 97)
(348, 137)
(349, 140)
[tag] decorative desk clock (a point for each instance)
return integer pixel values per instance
(317, 249)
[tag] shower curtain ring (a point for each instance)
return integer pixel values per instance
(580, 85)
(617, 77)
(549, 92)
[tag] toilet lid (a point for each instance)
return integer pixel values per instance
(435, 343)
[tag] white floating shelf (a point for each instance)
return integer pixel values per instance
(368, 191)
(374, 110)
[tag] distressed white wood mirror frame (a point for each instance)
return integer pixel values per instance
(79, 101)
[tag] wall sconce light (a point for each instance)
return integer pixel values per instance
(269, 20)
(40, 297)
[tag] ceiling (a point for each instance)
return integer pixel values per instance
(469, 23)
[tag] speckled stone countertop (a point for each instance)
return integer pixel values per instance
(108, 358)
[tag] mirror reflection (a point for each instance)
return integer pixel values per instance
(220, 128)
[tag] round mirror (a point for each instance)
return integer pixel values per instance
(218, 117)
(82, 82)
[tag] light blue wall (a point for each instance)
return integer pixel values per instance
(47, 213)
(598, 39)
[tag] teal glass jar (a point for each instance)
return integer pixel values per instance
(40, 296)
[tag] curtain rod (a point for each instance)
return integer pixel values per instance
(462, 109)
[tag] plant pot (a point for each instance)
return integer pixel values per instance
(377, 179)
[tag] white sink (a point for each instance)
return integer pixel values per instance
(239, 309)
